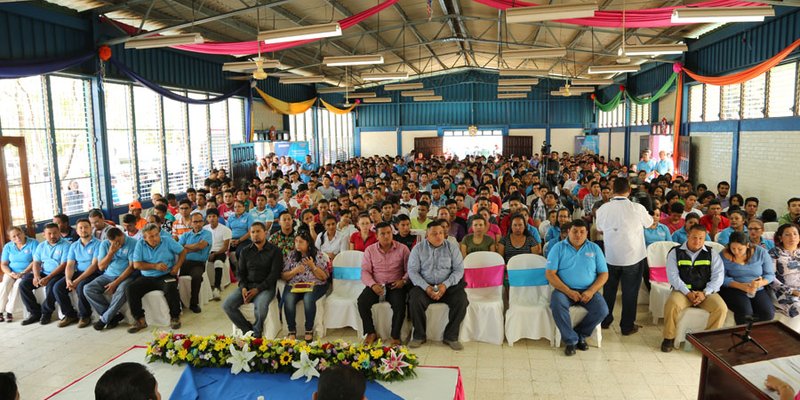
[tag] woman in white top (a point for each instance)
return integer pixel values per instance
(263, 169)
(331, 241)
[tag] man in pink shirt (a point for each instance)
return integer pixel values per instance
(384, 270)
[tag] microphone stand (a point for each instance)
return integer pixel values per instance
(746, 338)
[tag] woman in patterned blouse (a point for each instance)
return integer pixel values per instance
(306, 273)
(787, 269)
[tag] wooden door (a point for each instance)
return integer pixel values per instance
(15, 189)
(433, 146)
(517, 146)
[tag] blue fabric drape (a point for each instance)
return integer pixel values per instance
(23, 68)
(172, 96)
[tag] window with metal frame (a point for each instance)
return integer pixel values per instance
(696, 103)
(754, 97)
(236, 118)
(121, 154)
(149, 145)
(220, 145)
(176, 149)
(200, 147)
(782, 90)
(712, 103)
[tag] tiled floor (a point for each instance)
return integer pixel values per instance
(46, 358)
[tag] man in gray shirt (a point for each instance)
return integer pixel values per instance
(436, 268)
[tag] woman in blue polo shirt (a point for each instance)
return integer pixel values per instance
(239, 223)
(17, 257)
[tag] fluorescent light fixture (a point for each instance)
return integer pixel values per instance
(300, 33)
(362, 95)
(382, 76)
(163, 41)
(613, 69)
(378, 100)
(415, 93)
(555, 52)
(514, 82)
(655, 50)
(550, 13)
(404, 86)
(523, 72)
(563, 94)
(334, 89)
(248, 66)
(710, 15)
(577, 89)
(428, 98)
(341, 61)
(512, 95)
(513, 88)
(591, 82)
(303, 79)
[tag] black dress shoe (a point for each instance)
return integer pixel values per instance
(99, 325)
(605, 325)
(115, 321)
(581, 345)
(31, 320)
(569, 350)
(667, 345)
(45, 320)
(631, 331)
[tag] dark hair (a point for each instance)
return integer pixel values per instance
(128, 381)
(402, 217)
(792, 200)
(723, 183)
(129, 219)
(170, 196)
(82, 220)
(676, 208)
(578, 223)
(50, 226)
(259, 224)
(697, 227)
(525, 223)
(62, 217)
(749, 199)
(212, 211)
(769, 215)
(382, 224)
(185, 201)
(160, 207)
(8, 385)
(742, 239)
(435, 223)
(779, 233)
(738, 211)
(96, 213)
(304, 234)
(621, 186)
(113, 233)
(341, 382)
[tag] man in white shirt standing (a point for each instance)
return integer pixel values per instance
(622, 223)
(221, 241)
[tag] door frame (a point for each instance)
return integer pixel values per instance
(6, 220)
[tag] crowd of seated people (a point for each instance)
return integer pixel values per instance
(415, 219)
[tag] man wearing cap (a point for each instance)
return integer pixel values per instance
(135, 208)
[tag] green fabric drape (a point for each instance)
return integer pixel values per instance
(612, 104)
(657, 95)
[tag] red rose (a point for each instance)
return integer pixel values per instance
(257, 341)
(187, 344)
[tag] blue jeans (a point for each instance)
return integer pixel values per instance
(26, 290)
(95, 293)
(560, 304)
(290, 301)
(65, 301)
(260, 303)
(630, 278)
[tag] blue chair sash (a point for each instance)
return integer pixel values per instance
(527, 277)
(347, 273)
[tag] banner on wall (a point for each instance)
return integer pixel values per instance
(296, 150)
(587, 144)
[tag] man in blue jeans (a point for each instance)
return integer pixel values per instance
(260, 268)
(49, 262)
(81, 269)
(115, 260)
(577, 270)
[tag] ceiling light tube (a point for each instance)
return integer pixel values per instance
(710, 15)
(613, 69)
(514, 82)
(404, 86)
(512, 95)
(303, 79)
(555, 52)
(563, 94)
(591, 82)
(246, 66)
(655, 50)
(523, 72)
(163, 41)
(513, 88)
(378, 100)
(428, 98)
(382, 76)
(300, 33)
(550, 13)
(362, 95)
(577, 89)
(341, 61)
(415, 93)
(334, 89)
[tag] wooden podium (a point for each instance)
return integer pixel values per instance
(718, 379)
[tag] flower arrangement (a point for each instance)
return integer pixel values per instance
(297, 357)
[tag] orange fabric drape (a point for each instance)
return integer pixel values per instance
(747, 74)
(339, 111)
(677, 123)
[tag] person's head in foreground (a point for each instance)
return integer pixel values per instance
(127, 381)
(8, 386)
(341, 382)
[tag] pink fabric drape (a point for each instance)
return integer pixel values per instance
(247, 48)
(484, 277)
(658, 274)
(648, 18)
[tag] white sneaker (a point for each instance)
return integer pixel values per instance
(215, 294)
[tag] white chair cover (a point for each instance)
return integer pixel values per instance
(484, 319)
(771, 226)
(382, 318)
(692, 319)
(276, 321)
(269, 330)
(185, 290)
(659, 291)
(576, 314)
(717, 247)
(528, 315)
(226, 271)
(768, 235)
(342, 303)
(156, 310)
(543, 228)
(18, 306)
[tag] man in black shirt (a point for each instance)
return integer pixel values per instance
(404, 235)
(260, 268)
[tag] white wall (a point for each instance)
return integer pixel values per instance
(407, 139)
(634, 145)
(564, 139)
(378, 143)
(768, 168)
(711, 161)
(618, 146)
(604, 139)
(264, 117)
(538, 135)
(666, 107)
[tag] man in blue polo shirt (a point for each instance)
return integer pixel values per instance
(49, 261)
(577, 270)
(113, 258)
(197, 244)
(155, 256)
(646, 164)
(81, 269)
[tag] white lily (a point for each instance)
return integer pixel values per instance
(239, 334)
(240, 359)
(305, 367)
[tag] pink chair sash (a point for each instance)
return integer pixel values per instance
(484, 277)
(658, 274)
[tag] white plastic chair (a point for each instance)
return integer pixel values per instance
(185, 290)
(342, 303)
(659, 289)
(528, 315)
(768, 235)
(484, 319)
(717, 247)
(544, 226)
(771, 226)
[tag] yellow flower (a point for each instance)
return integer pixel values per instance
(362, 357)
(287, 342)
(182, 354)
(228, 341)
(163, 341)
(263, 347)
(377, 353)
(286, 358)
(219, 346)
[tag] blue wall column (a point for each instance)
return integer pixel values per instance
(735, 156)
